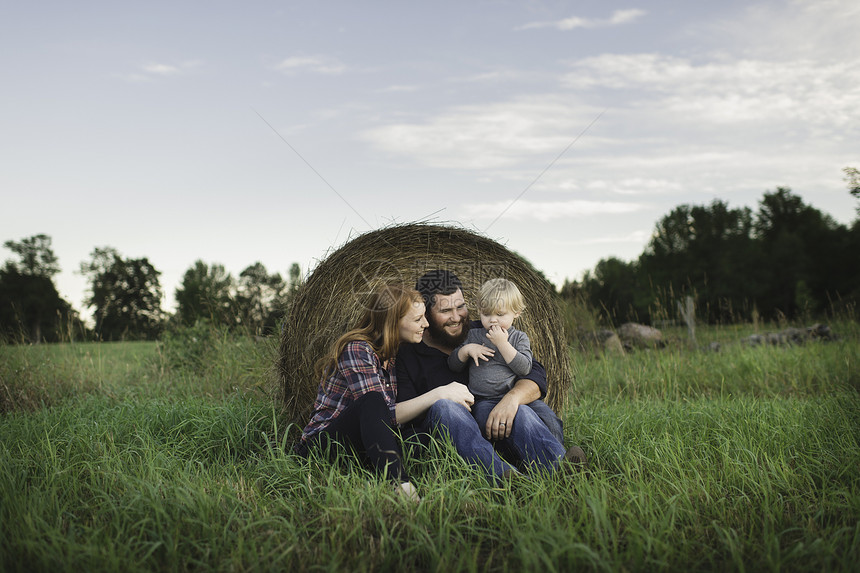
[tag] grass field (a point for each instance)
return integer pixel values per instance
(168, 457)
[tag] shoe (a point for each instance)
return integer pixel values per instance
(510, 475)
(408, 492)
(575, 460)
(513, 478)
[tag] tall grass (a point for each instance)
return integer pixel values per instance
(737, 369)
(201, 361)
(743, 460)
(43, 375)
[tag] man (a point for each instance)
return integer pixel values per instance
(432, 397)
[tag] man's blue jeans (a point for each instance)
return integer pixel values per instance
(530, 439)
(549, 417)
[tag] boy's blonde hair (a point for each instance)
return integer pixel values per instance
(500, 294)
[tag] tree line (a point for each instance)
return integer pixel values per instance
(125, 295)
(787, 260)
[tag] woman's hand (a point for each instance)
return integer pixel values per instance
(414, 407)
(456, 392)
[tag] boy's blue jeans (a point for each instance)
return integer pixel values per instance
(530, 441)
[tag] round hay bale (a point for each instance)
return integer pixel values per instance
(330, 301)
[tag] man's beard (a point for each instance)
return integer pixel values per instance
(440, 335)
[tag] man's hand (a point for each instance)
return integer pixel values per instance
(501, 419)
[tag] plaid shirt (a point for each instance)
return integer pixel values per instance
(358, 371)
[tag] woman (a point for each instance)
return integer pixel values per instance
(356, 400)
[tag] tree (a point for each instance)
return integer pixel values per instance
(802, 251)
(707, 251)
(786, 260)
(37, 257)
(256, 301)
(295, 280)
(260, 298)
(850, 289)
(31, 308)
(666, 259)
(852, 178)
(615, 287)
(126, 295)
(673, 233)
(206, 293)
(723, 260)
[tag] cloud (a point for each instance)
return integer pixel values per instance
(496, 76)
(822, 29)
(637, 186)
(161, 69)
(399, 89)
(728, 91)
(635, 237)
(625, 16)
(544, 210)
(618, 18)
(733, 121)
(487, 136)
(660, 108)
(564, 180)
(673, 127)
(152, 70)
(314, 64)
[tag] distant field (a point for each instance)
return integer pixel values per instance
(145, 456)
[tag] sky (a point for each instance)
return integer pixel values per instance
(276, 131)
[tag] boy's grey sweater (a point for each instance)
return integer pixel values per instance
(494, 377)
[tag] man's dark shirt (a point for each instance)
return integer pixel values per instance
(421, 368)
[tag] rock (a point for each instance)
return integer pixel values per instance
(791, 336)
(599, 341)
(613, 345)
(821, 332)
(753, 340)
(640, 335)
(773, 338)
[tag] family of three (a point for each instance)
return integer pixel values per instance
(415, 363)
